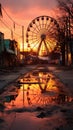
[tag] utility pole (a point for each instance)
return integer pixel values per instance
(0, 10)
(11, 35)
(23, 40)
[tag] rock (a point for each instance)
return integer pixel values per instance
(41, 115)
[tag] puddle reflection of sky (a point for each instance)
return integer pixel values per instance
(36, 89)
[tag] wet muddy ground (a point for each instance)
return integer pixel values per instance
(36, 101)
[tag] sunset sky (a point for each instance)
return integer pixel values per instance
(24, 11)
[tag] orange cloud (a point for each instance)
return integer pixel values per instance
(22, 13)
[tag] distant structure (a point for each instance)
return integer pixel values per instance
(9, 52)
(42, 36)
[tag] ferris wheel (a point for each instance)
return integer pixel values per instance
(42, 35)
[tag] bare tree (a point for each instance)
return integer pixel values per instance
(66, 24)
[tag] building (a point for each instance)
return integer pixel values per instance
(9, 52)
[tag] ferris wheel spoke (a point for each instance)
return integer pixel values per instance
(50, 27)
(40, 23)
(34, 40)
(52, 36)
(48, 100)
(37, 23)
(37, 37)
(43, 23)
(32, 31)
(31, 35)
(52, 30)
(35, 44)
(38, 99)
(52, 41)
(41, 100)
(42, 26)
(38, 27)
(49, 36)
(30, 40)
(33, 28)
(47, 24)
(54, 26)
(45, 102)
(35, 97)
(49, 45)
(51, 33)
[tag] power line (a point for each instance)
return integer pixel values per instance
(12, 29)
(10, 17)
(5, 24)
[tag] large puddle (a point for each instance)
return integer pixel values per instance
(33, 92)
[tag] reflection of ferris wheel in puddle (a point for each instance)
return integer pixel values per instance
(42, 34)
(37, 94)
(37, 97)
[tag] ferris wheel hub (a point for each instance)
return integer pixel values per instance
(43, 37)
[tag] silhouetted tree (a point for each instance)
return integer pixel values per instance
(66, 24)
